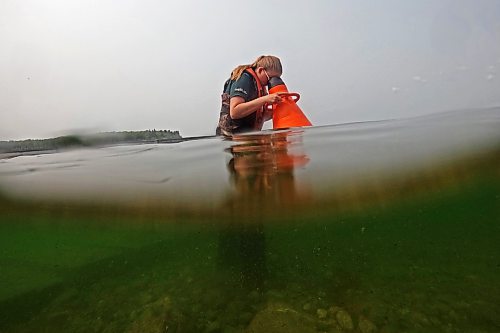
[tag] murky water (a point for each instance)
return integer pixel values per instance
(386, 226)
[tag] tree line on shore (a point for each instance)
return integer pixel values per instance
(99, 139)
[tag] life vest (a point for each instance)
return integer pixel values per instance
(259, 120)
(260, 89)
(226, 124)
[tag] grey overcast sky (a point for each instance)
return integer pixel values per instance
(108, 65)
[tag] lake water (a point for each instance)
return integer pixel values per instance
(389, 226)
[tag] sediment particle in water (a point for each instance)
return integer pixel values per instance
(366, 326)
(322, 313)
(345, 320)
(306, 307)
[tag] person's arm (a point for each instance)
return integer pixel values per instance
(238, 108)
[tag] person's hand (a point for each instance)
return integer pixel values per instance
(272, 98)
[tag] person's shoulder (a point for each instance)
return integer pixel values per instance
(245, 76)
(246, 79)
(244, 87)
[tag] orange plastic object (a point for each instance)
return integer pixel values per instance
(287, 113)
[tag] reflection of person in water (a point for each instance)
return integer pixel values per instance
(261, 171)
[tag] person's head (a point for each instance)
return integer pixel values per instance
(265, 66)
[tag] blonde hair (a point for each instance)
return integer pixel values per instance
(269, 62)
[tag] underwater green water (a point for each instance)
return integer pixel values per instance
(293, 239)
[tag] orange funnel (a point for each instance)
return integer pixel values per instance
(286, 113)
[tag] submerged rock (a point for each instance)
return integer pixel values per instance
(333, 310)
(366, 326)
(322, 313)
(344, 319)
(280, 318)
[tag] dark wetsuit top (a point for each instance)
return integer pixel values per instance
(244, 87)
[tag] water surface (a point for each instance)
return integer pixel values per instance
(387, 226)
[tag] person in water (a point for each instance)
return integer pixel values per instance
(244, 97)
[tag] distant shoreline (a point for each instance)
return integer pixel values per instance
(9, 149)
